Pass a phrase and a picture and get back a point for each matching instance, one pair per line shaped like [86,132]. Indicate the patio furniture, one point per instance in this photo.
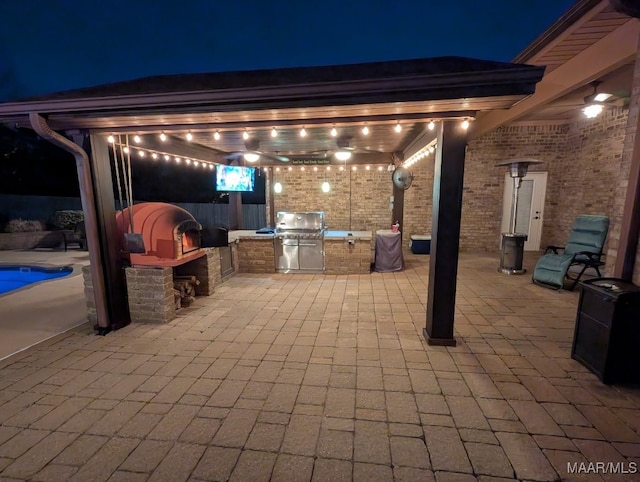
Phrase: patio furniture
[583,249]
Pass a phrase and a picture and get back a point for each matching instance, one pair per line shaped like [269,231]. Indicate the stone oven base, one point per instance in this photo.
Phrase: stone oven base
[150,289]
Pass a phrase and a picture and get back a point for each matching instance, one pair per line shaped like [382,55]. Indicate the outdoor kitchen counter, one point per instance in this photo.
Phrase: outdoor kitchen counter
[255,251]
[348,252]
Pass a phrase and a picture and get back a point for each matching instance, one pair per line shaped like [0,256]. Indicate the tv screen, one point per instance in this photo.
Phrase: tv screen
[235,178]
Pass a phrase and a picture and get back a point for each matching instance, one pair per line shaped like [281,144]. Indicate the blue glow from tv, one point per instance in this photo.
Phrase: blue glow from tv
[235,178]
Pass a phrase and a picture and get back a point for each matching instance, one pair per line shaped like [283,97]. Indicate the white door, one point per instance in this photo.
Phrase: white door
[531,195]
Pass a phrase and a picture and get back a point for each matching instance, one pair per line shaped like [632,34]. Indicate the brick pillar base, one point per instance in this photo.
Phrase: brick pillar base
[206,269]
[150,293]
[89,296]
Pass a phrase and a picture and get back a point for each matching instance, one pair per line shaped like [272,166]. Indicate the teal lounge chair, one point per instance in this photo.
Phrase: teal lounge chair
[584,248]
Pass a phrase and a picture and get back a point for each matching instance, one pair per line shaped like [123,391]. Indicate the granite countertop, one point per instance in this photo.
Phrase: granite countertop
[247,234]
[347,235]
[330,235]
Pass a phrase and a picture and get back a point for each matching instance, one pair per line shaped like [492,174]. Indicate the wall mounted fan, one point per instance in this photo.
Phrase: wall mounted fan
[252,153]
[402,178]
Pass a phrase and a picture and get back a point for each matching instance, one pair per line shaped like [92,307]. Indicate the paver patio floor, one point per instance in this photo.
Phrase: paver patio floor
[311,377]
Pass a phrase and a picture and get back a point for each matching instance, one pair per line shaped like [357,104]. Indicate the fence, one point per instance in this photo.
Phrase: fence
[254,216]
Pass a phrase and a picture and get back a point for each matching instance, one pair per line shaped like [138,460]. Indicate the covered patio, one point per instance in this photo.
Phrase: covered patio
[316,377]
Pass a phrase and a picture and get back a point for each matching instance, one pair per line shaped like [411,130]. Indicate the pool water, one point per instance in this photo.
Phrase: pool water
[15,277]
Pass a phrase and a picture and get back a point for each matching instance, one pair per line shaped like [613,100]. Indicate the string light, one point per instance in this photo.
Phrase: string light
[126,150]
[188,161]
[189,136]
[398,128]
[166,157]
[195,163]
[274,132]
[465,124]
[365,130]
[245,135]
[334,131]
[154,155]
[137,139]
[178,160]
[432,125]
[163,137]
[216,135]
[303,132]
[111,139]
[141,153]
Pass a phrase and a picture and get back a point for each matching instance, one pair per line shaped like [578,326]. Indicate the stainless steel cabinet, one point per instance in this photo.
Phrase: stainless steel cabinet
[286,254]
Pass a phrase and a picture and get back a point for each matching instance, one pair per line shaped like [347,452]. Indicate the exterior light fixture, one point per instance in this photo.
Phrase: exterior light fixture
[592,110]
[216,135]
[277,187]
[326,187]
[290,168]
[274,132]
[189,136]
[251,156]
[343,155]
[342,168]
[354,168]
[368,168]
[302,168]
[315,168]
[163,137]
[465,124]
[432,125]
[334,131]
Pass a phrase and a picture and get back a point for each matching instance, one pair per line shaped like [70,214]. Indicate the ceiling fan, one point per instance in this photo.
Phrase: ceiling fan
[344,150]
[252,153]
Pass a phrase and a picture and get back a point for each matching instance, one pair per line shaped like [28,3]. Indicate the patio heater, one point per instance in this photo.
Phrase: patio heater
[512,247]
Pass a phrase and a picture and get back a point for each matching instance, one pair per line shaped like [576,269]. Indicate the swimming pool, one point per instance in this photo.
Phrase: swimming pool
[15,277]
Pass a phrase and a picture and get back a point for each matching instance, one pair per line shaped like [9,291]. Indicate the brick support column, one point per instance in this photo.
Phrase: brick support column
[89,295]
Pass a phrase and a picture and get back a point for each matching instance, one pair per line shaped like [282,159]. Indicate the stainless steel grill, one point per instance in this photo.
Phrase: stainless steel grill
[299,242]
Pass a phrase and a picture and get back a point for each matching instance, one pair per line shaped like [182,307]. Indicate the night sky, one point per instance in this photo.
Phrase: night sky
[53,45]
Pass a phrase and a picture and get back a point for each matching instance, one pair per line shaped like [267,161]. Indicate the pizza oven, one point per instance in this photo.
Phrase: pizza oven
[167,235]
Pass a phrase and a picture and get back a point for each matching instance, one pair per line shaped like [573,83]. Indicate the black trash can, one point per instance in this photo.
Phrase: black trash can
[512,253]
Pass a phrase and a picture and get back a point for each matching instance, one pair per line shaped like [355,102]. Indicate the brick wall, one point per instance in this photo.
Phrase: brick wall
[358,200]
[418,201]
[256,256]
[344,258]
[150,292]
[206,269]
[89,295]
[583,161]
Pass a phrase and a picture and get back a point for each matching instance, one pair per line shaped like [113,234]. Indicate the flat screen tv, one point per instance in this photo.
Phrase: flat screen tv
[235,178]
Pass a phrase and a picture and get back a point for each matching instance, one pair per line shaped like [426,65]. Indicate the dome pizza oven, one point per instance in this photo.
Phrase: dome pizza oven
[171,235]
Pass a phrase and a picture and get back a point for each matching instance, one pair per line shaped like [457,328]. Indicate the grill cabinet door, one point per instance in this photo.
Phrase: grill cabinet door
[287,254]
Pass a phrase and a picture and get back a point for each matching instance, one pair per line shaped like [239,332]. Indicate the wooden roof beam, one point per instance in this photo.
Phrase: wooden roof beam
[611,52]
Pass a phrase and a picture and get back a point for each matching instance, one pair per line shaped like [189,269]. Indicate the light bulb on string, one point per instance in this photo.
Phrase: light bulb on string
[166,157]
[365,130]
[303,132]
[137,139]
[163,137]
[216,135]
[274,132]
[245,135]
[154,156]
[178,160]
[334,131]
[189,136]
[111,139]
[398,127]
[141,153]
[431,125]
[465,124]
